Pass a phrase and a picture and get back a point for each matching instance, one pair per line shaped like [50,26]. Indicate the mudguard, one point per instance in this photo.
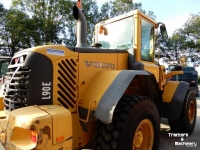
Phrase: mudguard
[104,92]
[173,99]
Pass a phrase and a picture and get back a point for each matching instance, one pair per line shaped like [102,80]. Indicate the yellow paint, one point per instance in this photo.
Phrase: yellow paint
[52,124]
[97,87]
[152,68]
[67,85]
[2,97]
[81,75]
[21,138]
[143,139]
[1,103]
[3,120]
[3,137]
[80,136]
[169,91]
[87,73]
[122,61]
[66,144]
[25,120]
[162,80]
[172,73]
[61,121]
[43,50]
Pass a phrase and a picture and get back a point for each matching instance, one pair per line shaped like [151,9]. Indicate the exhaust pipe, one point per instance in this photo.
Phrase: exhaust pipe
[81,27]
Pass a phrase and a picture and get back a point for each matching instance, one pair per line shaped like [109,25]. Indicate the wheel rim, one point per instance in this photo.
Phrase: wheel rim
[144,136]
[191,111]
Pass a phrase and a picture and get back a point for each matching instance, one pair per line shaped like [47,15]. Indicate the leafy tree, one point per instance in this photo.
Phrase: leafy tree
[192,27]
[48,17]
[105,11]
[184,41]
[119,7]
[169,49]
[1,9]
[54,19]
[38,22]
[14,33]
[2,12]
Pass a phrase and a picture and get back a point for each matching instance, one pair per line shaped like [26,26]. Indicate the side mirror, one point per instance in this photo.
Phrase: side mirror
[163,31]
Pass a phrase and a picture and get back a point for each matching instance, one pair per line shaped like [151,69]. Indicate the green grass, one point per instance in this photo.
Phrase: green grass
[198,79]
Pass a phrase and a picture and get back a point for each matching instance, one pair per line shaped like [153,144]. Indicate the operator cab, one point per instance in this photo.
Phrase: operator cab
[121,33]
[135,32]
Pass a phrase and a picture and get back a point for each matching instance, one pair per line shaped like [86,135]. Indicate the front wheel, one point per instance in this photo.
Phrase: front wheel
[135,126]
[186,122]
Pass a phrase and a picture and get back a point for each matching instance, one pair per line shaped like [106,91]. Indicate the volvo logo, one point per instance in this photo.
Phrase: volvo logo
[99,64]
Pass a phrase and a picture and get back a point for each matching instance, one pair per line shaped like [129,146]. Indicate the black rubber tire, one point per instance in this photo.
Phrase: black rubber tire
[183,124]
[129,112]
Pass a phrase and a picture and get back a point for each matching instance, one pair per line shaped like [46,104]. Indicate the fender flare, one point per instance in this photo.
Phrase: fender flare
[106,103]
[172,107]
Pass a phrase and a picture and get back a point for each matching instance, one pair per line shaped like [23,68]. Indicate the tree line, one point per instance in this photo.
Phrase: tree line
[29,23]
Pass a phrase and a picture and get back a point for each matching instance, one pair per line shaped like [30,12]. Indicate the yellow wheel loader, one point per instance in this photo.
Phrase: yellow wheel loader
[108,96]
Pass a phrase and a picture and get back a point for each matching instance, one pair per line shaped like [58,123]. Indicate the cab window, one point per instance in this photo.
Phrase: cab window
[147,41]
[119,34]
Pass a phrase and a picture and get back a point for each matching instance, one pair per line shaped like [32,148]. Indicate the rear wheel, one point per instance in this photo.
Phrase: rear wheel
[186,122]
[135,126]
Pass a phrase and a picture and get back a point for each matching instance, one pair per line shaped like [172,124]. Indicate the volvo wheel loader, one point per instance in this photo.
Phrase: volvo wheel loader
[108,96]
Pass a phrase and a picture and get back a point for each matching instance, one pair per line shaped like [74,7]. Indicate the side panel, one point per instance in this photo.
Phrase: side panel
[152,68]
[65,82]
[92,63]
[173,98]
[122,61]
[61,122]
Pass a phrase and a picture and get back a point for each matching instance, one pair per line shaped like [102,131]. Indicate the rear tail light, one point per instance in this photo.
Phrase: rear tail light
[33,136]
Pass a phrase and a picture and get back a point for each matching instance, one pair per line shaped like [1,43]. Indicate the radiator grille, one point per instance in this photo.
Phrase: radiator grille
[16,88]
[67,85]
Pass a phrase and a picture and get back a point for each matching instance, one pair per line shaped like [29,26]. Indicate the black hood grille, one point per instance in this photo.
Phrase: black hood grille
[16,88]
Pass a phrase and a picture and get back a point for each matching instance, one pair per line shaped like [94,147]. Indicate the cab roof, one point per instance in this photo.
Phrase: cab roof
[131,13]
